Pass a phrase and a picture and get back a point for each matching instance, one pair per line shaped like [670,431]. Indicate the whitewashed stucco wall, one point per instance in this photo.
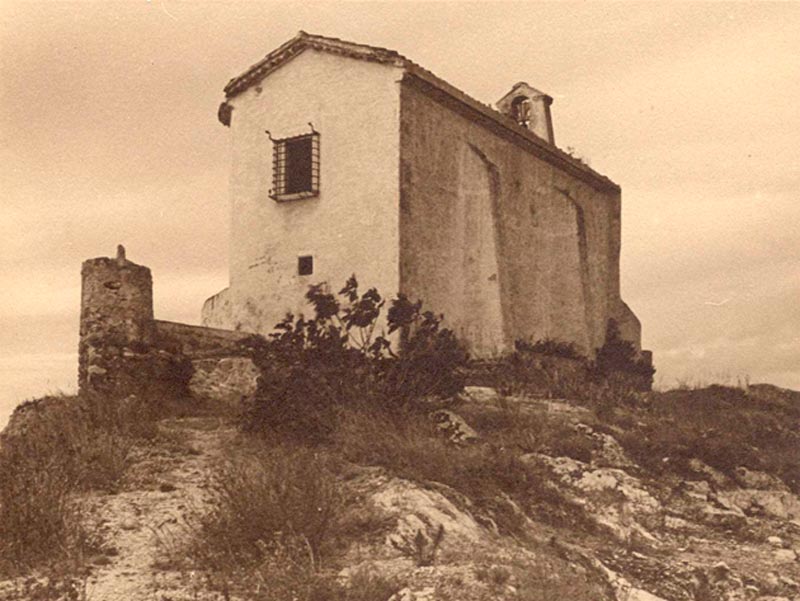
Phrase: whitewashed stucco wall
[352,227]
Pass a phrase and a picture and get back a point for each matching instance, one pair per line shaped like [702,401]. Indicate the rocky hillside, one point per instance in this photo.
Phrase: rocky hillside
[688,495]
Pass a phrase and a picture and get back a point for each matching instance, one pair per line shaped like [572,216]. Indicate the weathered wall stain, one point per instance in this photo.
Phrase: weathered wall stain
[556,237]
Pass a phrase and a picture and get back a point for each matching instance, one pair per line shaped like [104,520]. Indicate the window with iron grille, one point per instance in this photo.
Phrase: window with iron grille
[295,167]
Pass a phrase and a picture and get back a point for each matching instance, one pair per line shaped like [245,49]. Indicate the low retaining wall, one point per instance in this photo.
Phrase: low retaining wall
[198,341]
[228,380]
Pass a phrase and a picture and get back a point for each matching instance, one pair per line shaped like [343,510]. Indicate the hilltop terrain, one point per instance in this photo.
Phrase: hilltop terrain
[351,472]
[689,494]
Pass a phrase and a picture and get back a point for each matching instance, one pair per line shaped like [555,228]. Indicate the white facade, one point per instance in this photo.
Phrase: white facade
[351,227]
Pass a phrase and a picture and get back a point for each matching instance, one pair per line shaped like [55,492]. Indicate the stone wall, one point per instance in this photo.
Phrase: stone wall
[123,350]
[218,310]
[199,341]
[229,380]
[506,244]
[116,324]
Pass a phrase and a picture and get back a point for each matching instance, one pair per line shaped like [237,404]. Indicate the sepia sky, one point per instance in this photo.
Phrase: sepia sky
[109,135]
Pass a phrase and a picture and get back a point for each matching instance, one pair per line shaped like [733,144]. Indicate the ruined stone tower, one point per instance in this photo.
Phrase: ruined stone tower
[116,318]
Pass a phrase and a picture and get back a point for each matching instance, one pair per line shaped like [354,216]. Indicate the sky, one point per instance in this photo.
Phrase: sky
[108,134]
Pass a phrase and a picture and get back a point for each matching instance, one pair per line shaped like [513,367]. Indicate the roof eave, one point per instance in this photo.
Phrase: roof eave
[298,44]
[549,152]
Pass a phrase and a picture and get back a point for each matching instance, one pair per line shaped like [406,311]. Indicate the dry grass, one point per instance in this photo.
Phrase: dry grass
[57,447]
[267,494]
[541,582]
[722,426]
[280,521]
[489,474]
[512,426]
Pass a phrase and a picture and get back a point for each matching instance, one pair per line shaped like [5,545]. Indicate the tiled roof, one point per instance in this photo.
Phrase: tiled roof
[303,41]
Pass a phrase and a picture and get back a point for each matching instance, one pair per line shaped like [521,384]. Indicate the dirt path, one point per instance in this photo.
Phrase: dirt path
[168,483]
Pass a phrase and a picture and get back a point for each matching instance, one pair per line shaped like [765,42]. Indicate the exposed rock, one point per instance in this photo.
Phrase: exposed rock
[612,498]
[775,541]
[674,523]
[785,555]
[406,594]
[698,490]
[714,476]
[580,475]
[773,503]
[479,394]
[607,451]
[719,571]
[420,510]
[759,480]
[623,589]
[453,426]
[722,518]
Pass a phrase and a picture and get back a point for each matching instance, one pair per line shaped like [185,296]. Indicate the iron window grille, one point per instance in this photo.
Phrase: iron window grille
[295,167]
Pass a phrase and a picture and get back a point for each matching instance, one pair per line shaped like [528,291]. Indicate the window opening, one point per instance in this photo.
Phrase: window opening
[521,110]
[305,265]
[295,167]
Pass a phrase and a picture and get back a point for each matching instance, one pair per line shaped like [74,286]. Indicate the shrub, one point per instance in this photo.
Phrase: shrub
[618,355]
[528,372]
[431,360]
[310,367]
[722,426]
[422,549]
[549,346]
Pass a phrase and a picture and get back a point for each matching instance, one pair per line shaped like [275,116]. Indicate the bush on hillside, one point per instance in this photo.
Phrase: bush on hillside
[279,523]
[310,368]
[722,426]
[551,347]
[620,356]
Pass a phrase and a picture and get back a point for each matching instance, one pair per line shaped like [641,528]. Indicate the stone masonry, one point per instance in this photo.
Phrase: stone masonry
[116,319]
[123,350]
